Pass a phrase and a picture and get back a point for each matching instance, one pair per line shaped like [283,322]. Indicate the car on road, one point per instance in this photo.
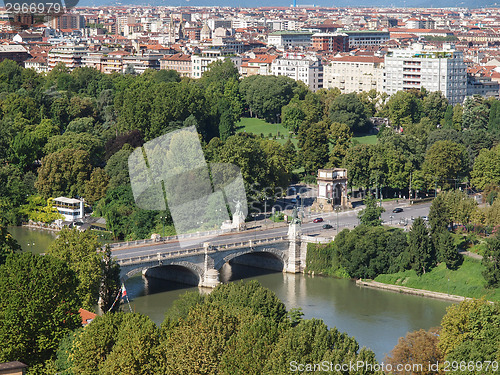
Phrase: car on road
[327,226]
[293,200]
[397,209]
[318,220]
[425,218]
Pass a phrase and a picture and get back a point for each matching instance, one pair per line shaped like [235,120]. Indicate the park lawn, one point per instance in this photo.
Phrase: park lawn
[366,139]
[467,281]
[258,126]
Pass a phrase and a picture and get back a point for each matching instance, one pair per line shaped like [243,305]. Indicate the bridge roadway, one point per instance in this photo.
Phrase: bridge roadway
[346,219]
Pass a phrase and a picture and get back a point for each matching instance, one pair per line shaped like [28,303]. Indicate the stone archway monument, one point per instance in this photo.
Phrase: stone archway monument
[332,188]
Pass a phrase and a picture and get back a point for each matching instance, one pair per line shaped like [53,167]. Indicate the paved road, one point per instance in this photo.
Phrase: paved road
[263,229]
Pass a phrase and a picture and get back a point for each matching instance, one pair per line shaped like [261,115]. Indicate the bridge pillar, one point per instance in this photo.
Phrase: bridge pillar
[294,263]
[210,277]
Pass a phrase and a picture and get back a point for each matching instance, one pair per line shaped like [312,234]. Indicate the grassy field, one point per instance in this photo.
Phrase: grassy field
[467,281]
[258,126]
[366,139]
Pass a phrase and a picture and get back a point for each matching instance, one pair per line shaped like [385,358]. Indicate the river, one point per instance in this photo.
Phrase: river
[375,318]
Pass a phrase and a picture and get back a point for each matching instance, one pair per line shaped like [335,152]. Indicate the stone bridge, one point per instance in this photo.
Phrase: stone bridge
[200,265]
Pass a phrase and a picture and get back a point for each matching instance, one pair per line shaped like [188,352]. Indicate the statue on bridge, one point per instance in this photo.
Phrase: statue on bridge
[237,208]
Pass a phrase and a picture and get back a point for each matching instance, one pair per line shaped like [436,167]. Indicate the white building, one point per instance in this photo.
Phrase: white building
[289,39]
[355,74]
[71,209]
[300,67]
[200,63]
[69,55]
[436,70]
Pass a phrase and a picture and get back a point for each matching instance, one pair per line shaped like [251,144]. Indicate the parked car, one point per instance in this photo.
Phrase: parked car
[318,220]
[397,209]
[425,218]
[327,226]
[293,200]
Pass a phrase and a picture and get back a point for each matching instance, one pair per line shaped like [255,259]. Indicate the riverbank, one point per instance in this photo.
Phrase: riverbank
[466,282]
[412,291]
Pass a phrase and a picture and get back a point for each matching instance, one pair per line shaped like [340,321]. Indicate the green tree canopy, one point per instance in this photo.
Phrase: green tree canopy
[444,162]
[348,109]
[420,248]
[63,173]
[92,265]
[38,307]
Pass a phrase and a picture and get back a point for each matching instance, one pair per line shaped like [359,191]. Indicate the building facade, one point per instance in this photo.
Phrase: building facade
[330,42]
[436,70]
[179,62]
[355,74]
[305,68]
[71,209]
[70,55]
[332,187]
[289,39]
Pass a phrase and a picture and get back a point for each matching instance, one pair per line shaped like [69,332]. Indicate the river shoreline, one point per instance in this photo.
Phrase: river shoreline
[412,291]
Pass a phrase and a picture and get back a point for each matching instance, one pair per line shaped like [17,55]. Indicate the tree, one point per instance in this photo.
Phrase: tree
[96,187]
[39,209]
[83,254]
[486,169]
[439,215]
[313,146]
[420,247]
[33,288]
[292,116]
[491,262]
[494,119]
[199,341]
[8,244]
[267,95]
[357,162]
[348,109]
[250,295]
[340,137]
[444,162]
[435,106]
[370,216]
[415,349]
[220,71]
[475,113]
[63,173]
[468,331]
[404,109]
[226,124]
[117,167]
[77,141]
[448,251]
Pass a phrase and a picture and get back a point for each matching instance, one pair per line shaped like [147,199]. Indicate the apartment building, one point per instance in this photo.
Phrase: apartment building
[437,70]
[200,63]
[300,67]
[70,55]
[179,62]
[330,42]
[363,38]
[139,63]
[260,64]
[355,74]
[68,21]
[289,39]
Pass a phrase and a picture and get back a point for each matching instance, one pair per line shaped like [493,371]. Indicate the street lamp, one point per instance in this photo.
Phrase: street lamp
[162,218]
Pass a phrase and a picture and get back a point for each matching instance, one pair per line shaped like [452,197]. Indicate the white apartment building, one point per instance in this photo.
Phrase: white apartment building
[200,63]
[289,39]
[300,67]
[436,70]
[355,74]
[69,55]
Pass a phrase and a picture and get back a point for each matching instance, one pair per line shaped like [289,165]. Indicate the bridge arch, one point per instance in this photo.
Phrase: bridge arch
[275,254]
[179,271]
